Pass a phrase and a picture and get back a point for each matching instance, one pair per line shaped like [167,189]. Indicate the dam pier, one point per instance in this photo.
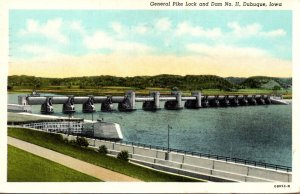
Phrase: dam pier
[152,102]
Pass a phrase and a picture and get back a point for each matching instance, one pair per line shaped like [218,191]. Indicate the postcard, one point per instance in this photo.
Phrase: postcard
[141,96]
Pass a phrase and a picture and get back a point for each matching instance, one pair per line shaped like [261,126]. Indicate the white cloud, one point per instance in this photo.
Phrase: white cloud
[236,31]
[98,40]
[163,24]
[51,30]
[101,40]
[118,28]
[185,28]
[254,29]
[141,29]
[32,26]
[225,50]
[77,26]
[274,33]
[243,31]
[38,50]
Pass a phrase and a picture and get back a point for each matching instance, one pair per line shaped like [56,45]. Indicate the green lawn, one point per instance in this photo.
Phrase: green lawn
[56,143]
[26,167]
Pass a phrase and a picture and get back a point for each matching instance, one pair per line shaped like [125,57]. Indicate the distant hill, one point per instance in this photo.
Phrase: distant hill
[236,80]
[266,82]
[284,82]
[188,82]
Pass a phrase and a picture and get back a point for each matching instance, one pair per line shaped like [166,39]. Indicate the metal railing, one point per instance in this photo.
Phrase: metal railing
[212,156]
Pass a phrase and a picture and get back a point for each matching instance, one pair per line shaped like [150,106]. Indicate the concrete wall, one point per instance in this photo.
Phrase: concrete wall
[143,158]
[145,152]
[201,162]
[168,163]
[253,179]
[290,177]
[230,176]
[109,145]
[231,167]
[181,171]
[161,154]
[197,169]
[192,165]
[176,157]
[120,147]
[271,175]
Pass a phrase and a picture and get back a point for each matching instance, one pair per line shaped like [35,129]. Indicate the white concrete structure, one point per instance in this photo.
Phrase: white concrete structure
[194,166]
[18,108]
[73,127]
[104,130]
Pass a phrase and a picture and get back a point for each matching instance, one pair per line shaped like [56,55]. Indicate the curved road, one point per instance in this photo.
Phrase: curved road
[81,166]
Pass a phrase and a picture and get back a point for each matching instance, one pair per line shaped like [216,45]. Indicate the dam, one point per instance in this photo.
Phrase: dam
[127,103]
[259,133]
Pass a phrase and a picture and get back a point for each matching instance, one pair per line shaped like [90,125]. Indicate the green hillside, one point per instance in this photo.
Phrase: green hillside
[166,81]
[188,82]
[236,80]
[266,82]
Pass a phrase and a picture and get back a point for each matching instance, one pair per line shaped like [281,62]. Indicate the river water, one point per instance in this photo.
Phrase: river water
[259,133]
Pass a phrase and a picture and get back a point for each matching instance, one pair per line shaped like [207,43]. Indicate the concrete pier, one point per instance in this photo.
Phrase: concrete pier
[88,106]
[234,101]
[194,104]
[47,106]
[214,102]
[69,107]
[107,106]
[205,102]
[177,104]
[244,101]
[224,101]
[154,104]
[128,104]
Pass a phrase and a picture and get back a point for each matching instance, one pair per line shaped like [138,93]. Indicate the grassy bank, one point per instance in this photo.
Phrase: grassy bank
[27,167]
[56,143]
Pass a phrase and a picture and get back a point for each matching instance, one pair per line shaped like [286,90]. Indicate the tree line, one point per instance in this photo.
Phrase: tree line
[188,82]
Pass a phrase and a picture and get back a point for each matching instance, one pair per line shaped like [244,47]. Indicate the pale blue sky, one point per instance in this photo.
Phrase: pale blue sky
[41,34]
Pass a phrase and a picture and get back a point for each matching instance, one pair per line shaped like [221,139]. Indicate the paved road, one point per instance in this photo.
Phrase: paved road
[81,166]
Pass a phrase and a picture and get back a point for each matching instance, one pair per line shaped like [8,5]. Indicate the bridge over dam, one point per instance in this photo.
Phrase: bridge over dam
[127,103]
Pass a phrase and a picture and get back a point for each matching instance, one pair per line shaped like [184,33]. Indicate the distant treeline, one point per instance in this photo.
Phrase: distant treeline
[188,82]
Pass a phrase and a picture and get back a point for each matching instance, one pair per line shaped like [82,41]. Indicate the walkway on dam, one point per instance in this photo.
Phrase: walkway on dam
[78,165]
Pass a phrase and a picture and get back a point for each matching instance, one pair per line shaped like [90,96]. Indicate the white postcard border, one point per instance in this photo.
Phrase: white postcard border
[5,187]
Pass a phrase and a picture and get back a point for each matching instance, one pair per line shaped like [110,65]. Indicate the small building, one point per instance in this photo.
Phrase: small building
[74,126]
[67,126]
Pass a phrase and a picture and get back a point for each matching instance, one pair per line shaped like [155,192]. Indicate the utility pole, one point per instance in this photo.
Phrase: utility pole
[168,152]
[69,124]
[93,124]
[169,127]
